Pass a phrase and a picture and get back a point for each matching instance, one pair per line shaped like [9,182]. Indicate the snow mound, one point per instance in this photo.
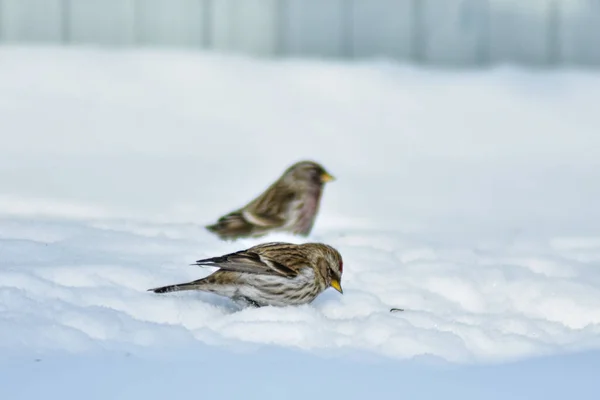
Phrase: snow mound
[83,288]
[469,199]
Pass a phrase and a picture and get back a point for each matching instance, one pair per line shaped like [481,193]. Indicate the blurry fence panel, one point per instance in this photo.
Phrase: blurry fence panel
[520,32]
[170,22]
[100,22]
[315,27]
[382,27]
[580,34]
[31,20]
[250,26]
[453,31]
[443,32]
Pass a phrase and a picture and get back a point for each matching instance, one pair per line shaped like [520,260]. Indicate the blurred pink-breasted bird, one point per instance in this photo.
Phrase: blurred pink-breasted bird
[289,205]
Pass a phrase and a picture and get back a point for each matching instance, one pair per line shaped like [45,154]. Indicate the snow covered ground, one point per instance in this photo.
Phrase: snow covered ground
[468,198]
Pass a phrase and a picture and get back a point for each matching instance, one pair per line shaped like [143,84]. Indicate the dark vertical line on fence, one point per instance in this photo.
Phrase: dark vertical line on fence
[1,20]
[347,28]
[65,18]
[484,45]
[417,31]
[553,26]
[207,18]
[135,23]
[281,27]
[233,28]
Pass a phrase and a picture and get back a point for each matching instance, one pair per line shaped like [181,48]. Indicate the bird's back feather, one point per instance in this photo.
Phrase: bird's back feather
[231,226]
[259,259]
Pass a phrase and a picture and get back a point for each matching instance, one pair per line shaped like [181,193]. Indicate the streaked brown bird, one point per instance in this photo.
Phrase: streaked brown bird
[270,274]
[289,205]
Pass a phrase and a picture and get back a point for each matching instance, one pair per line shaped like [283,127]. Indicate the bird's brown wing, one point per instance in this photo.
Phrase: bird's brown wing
[232,226]
[253,260]
[269,210]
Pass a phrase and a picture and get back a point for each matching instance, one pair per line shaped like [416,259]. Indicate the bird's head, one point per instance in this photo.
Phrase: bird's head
[330,264]
[308,172]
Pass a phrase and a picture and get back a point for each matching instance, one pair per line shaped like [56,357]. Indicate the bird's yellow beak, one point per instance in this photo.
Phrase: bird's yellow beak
[336,285]
[325,177]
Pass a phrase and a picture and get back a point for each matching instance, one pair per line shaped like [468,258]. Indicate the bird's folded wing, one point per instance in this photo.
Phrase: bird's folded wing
[262,220]
[249,262]
[269,209]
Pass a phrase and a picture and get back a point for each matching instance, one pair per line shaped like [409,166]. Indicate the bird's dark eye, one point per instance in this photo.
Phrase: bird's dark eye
[316,175]
[341,266]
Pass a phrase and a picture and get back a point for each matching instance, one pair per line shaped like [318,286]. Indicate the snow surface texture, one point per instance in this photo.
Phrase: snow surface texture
[467,198]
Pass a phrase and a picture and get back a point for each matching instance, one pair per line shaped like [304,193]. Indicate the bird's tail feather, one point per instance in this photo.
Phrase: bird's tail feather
[175,288]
